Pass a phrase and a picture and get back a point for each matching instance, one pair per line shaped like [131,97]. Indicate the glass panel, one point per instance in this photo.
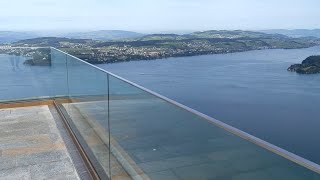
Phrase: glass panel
[87,87]
[58,82]
[25,73]
[156,139]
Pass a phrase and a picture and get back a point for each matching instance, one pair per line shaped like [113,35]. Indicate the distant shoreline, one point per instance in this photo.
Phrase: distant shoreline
[234,52]
[30,62]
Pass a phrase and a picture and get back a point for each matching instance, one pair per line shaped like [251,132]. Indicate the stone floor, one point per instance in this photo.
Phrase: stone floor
[32,147]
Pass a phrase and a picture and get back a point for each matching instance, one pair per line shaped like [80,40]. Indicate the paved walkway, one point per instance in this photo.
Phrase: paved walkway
[31,146]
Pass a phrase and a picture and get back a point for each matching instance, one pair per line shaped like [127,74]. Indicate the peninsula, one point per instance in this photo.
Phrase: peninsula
[310,65]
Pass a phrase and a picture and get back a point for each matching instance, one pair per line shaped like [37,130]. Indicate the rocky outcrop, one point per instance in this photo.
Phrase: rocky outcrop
[311,65]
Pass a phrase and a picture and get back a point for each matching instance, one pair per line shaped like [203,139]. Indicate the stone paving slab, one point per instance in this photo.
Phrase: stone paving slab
[31,146]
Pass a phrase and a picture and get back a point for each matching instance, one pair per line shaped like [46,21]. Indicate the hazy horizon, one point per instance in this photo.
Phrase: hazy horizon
[181,32]
[157,16]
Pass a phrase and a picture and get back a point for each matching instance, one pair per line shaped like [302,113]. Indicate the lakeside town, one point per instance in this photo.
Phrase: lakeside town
[158,46]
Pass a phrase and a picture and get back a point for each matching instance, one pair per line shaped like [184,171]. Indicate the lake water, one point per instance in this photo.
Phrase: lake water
[19,81]
[249,90]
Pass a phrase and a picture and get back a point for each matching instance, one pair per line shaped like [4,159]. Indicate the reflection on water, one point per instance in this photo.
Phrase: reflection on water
[15,61]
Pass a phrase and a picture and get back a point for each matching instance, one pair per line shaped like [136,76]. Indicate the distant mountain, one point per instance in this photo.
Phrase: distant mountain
[52,41]
[11,36]
[212,34]
[295,32]
[113,35]
[262,40]
[104,35]
[233,34]
[162,37]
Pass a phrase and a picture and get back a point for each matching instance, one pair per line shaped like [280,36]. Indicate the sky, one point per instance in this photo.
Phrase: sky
[158,15]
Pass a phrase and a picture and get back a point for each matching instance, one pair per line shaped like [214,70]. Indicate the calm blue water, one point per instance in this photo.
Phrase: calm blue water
[250,90]
[18,81]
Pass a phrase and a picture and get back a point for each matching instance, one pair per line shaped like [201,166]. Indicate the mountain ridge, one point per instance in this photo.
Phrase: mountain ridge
[295,32]
[14,36]
[104,35]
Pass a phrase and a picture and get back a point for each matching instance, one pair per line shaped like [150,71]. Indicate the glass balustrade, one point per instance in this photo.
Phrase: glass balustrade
[129,132]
